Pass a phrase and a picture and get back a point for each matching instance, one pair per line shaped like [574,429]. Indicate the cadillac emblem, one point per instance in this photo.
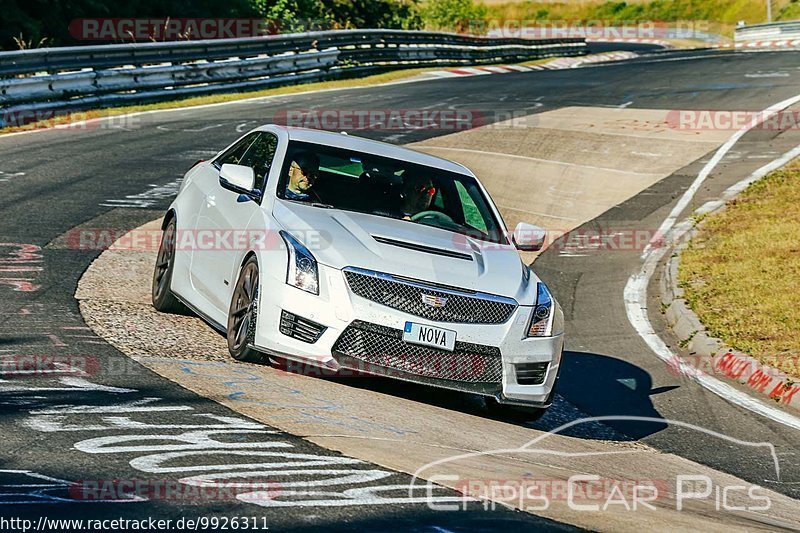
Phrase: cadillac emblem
[433,301]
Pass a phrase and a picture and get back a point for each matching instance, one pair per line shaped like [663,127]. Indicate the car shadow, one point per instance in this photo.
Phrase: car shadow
[590,385]
[602,385]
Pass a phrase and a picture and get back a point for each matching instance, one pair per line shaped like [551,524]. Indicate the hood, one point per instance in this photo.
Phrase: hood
[343,238]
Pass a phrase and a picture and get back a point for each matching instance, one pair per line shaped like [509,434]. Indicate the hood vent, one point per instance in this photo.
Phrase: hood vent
[422,248]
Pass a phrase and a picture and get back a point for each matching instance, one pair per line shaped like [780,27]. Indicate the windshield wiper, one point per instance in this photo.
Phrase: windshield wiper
[320,204]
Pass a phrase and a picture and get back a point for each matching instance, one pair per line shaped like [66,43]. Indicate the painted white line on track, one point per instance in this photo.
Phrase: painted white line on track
[529,158]
[687,197]
[736,188]
[635,293]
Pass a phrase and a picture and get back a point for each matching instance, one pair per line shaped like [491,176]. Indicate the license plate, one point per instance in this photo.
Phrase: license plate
[444,339]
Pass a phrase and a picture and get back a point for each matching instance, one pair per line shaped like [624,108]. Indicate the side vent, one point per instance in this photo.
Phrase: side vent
[531,373]
[300,328]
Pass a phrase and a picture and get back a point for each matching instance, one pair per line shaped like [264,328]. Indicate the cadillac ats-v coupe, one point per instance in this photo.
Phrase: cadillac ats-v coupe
[351,255]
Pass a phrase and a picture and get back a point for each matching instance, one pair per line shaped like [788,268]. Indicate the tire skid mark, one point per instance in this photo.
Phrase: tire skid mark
[16,259]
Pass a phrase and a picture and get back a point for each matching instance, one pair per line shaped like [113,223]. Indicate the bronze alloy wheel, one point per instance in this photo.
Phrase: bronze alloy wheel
[243,315]
[163,299]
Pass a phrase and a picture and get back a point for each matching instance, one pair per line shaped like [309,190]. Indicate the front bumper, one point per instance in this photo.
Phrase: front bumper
[365,337]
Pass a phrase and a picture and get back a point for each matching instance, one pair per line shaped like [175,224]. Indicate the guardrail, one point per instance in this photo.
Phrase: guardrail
[773,31]
[50,80]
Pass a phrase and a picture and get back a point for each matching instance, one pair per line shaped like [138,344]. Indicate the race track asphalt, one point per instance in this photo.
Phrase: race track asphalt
[124,175]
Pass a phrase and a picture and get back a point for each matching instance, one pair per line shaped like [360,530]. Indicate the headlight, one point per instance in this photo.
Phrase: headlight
[302,272]
[540,318]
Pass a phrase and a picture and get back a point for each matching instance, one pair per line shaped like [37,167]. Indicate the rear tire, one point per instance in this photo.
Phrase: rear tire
[163,298]
[243,315]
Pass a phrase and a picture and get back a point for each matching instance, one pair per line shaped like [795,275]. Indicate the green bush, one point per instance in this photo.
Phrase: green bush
[49,19]
[303,15]
[790,12]
[34,20]
[456,15]
[396,14]
[296,15]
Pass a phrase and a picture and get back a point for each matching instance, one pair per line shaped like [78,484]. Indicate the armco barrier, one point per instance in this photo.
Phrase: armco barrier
[33,82]
[773,31]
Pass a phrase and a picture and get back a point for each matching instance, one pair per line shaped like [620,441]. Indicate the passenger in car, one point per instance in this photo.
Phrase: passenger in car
[303,172]
[417,195]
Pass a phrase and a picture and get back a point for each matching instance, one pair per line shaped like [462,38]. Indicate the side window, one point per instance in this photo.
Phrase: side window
[236,152]
[438,200]
[472,215]
[259,157]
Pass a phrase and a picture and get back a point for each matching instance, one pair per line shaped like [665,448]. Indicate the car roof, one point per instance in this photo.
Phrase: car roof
[369,146]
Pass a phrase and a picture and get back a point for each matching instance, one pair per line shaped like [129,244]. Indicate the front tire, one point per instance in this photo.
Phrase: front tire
[163,298]
[243,315]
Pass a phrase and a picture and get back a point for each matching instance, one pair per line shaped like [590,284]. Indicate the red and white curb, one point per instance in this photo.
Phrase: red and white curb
[758,377]
[710,363]
[573,62]
[555,64]
[665,44]
[480,71]
[779,44]
[708,355]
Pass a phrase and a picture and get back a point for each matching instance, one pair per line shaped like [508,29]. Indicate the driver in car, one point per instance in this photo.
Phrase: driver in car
[417,196]
[303,173]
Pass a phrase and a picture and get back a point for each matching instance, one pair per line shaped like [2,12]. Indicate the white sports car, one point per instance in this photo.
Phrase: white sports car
[351,255]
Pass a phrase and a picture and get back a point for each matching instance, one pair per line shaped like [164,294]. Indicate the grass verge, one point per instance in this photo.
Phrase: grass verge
[741,272]
[715,16]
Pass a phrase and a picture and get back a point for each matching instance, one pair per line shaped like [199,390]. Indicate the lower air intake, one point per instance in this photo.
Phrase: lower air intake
[531,373]
[300,328]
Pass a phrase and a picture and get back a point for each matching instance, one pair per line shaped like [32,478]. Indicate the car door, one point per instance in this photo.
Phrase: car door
[223,231]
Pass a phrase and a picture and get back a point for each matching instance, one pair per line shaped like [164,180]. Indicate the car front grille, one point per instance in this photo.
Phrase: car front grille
[376,349]
[430,301]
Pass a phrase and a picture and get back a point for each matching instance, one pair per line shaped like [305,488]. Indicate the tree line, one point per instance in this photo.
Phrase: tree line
[45,23]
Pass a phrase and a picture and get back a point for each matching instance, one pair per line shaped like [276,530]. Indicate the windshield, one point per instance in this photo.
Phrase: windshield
[329,177]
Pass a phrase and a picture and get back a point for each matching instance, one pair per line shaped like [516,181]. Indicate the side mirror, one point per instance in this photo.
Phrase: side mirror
[237,178]
[529,238]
